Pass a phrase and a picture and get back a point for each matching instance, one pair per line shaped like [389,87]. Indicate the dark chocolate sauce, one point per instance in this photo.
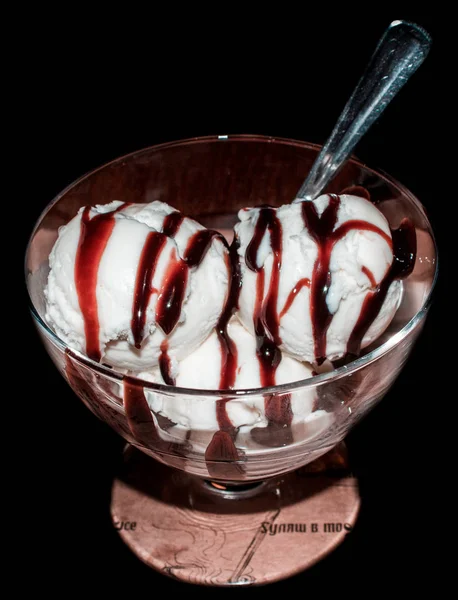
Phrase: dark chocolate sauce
[278,410]
[265,317]
[223,458]
[199,245]
[165,364]
[94,236]
[404,250]
[172,223]
[165,423]
[305,282]
[151,252]
[266,321]
[171,298]
[228,348]
[368,273]
[322,230]
[356,224]
[279,417]
[172,294]
[141,421]
[138,413]
[222,447]
[173,290]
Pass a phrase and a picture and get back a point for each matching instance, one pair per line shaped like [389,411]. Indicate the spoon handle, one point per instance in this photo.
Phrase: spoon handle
[399,53]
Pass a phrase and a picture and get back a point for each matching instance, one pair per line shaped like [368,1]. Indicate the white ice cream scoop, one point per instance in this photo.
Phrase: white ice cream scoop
[317,280]
[129,284]
[252,417]
[309,268]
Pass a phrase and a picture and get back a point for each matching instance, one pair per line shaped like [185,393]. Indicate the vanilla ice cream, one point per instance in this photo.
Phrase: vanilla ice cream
[312,273]
[132,283]
[154,294]
[250,416]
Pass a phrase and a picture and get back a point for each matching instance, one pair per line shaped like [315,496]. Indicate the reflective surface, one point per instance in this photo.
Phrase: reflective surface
[401,50]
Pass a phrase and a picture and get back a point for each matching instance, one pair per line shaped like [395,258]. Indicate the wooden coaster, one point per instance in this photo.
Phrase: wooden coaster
[189,530]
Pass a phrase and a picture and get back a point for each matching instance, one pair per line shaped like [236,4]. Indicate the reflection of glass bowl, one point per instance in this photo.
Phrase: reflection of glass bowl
[210,179]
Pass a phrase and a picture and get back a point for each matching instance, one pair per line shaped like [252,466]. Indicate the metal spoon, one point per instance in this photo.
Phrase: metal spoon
[400,51]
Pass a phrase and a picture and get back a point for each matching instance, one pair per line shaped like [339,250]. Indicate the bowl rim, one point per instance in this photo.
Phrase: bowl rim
[311,382]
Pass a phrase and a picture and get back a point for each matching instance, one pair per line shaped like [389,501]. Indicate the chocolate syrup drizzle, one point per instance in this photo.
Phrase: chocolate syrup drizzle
[404,253]
[228,347]
[95,233]
[139,414]
[172,294]
[170,300]
[165,363]
[172,224]
[222,453]
[141,421]
[265,318]
[323,230]
[94,236]
[152,249]
[266,321]
[170,228]
[173,289]
[368,273]
[305,282]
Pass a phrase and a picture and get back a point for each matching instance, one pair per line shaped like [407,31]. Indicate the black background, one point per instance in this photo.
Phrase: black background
[94,93]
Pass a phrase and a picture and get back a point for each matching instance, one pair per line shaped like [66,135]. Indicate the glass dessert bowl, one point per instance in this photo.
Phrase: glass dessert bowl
[243,458]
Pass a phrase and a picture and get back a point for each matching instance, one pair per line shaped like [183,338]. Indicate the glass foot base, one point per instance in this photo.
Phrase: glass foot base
[194,531]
